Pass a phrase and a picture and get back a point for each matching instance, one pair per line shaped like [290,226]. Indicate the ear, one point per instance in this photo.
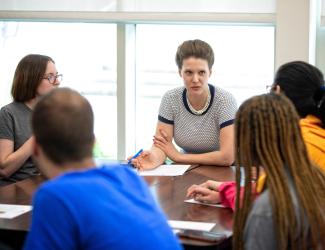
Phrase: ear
[180,72]
[210,70]
[277,89]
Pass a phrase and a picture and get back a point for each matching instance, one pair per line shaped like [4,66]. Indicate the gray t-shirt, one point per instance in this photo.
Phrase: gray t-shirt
[197,133]
[15,125]
[260,229]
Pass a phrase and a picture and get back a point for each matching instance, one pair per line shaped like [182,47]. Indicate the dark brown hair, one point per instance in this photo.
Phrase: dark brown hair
[267,134]
[194,48]
[28,76]
[63,125]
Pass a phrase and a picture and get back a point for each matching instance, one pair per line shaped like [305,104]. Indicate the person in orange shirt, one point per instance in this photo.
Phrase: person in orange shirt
[314,137]
[303,84]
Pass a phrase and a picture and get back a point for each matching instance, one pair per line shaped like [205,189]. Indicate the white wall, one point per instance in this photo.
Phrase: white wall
[295,31]
[229,6]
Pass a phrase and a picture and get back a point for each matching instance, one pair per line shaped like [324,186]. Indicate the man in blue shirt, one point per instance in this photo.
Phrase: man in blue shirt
[84,207]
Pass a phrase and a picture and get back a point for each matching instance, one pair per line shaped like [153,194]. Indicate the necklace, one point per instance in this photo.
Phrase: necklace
[201,111]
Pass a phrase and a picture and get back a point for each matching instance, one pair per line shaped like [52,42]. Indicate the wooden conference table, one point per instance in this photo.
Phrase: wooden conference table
[168,191]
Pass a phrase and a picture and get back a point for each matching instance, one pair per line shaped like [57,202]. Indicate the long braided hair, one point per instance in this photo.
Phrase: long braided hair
[268,135]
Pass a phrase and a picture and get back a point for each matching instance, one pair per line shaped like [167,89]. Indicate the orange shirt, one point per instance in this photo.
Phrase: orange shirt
[314,137]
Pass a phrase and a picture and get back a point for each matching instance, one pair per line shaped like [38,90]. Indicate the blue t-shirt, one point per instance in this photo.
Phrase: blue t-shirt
[102,208]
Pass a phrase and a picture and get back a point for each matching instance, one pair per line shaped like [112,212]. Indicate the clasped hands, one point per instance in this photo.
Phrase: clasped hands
[165,143]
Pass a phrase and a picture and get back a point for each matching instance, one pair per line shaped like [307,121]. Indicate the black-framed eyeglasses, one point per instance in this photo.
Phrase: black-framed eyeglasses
[53,78]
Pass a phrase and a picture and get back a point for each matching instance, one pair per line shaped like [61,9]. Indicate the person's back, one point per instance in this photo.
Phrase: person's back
[260,229]
[84,207]
[104,208]
[289,213]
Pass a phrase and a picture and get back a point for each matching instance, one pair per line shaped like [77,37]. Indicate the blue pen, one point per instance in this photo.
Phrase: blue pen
[135,156]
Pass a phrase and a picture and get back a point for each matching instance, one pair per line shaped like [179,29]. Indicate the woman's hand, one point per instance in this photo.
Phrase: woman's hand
[212,185]
[165,143]
[203,194]
[206,192]
[144,161]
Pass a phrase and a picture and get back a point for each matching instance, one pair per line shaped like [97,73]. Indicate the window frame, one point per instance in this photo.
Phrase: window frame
[126,27]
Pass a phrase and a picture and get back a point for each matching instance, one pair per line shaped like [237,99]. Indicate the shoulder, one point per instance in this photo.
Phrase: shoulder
[262,205]
[312,130]
[224,105]
[105,179]
[15,109]
[170,104]
[46,196]
[259,229]
[174,92]
[310,122]
[260,214]
[14,106]
[118,174]
[8,108]
[117,170]
[223,95]
[8,116]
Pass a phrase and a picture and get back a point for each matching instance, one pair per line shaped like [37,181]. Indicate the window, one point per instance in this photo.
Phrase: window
[85,53]
[86,56]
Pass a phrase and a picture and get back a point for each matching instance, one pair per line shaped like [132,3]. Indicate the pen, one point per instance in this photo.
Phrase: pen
[135,156]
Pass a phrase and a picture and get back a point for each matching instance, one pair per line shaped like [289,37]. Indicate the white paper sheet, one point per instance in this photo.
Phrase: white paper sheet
[11,211]
[176,231]
[166,170]
[194,225]
[202,203]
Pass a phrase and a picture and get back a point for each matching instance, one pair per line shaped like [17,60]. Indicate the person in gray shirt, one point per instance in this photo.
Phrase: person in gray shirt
[34,77]
[290,212]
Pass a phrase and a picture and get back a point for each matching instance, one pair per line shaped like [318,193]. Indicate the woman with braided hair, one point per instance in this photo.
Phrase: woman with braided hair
[290,212]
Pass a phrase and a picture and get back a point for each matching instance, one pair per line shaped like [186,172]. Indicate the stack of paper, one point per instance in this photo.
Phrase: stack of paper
[12,211]
[194,225]
[202,203]
[166,170]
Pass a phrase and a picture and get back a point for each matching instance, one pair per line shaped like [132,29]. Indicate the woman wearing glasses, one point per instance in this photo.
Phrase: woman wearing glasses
[34,77]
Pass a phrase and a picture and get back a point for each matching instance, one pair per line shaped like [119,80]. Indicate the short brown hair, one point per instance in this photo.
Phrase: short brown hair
[28,75]
[63,125]
[194,48]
